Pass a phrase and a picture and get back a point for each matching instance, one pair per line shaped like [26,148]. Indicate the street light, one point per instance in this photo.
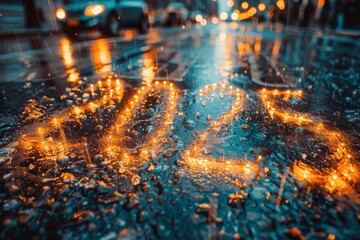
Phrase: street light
[198,18]
[234,16]
[60,13]
[261,7]
[245,5]
[214,20]
[230,3]
[203,22]
[280,4]
[223,16]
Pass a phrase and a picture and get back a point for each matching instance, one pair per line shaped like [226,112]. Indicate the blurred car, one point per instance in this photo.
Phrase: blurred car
[177,14]
[106,15]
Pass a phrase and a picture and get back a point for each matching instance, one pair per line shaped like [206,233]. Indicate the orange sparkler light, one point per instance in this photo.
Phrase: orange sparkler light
[193,155]
[345,172]
[50,138]
[154,139]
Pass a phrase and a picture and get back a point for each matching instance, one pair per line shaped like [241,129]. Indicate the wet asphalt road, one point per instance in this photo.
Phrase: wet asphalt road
[224,131]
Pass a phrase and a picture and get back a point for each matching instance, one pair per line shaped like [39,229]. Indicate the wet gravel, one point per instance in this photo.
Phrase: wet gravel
[64,182]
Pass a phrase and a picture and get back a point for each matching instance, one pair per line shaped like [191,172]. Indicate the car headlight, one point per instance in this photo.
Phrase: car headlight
[94,10]
[60,13]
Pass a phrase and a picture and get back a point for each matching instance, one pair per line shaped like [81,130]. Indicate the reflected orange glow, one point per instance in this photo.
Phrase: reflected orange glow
[243,48]
[100,56]
[66,52]
[148,71]
[154,141]
[198,162]
[344,173]
[233,25]
[225,50]
[257,45]
[68,60]
[128,35]
[271,14]
[276,47]
[321,3]
[50,140]
[331,182]
[248,14]
[73,75]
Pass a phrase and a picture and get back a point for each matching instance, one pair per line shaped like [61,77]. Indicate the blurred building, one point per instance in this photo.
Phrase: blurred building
[17,14]
[209,7]
[12,14]
[157,4]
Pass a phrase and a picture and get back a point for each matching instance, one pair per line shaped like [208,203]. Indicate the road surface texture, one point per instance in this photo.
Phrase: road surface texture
[228,131]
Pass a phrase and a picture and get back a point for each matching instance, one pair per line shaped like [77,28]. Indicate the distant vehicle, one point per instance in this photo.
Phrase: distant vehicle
[177,14]
[106,15]
[159,17]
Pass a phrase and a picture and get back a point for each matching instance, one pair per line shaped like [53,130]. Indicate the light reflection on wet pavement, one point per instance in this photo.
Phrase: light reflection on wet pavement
[229,131]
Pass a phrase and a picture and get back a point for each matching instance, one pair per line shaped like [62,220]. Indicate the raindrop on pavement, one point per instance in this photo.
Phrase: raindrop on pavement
[135,180]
